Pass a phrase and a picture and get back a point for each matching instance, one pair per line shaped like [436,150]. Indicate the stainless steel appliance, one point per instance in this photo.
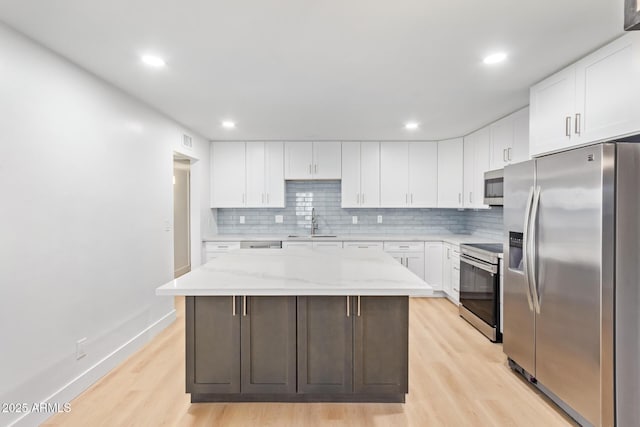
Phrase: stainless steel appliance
[480,287]
[276,244]
[494,187]
[572,274]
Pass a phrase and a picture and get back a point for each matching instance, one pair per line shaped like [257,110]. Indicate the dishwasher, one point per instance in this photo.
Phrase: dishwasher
[261,245]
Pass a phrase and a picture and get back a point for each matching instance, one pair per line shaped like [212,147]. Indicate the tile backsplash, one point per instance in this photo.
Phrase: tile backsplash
[324,197]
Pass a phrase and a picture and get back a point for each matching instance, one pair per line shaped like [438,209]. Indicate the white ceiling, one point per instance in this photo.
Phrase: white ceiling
[323,69]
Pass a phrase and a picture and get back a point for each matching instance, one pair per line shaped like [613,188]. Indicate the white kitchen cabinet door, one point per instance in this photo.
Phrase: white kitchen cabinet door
[274,174]
[501,142]
[394,174]
[423,174]
[468,172]
[363,245]
[450,164]
[447,254]
[415,263]
[228,178]
[398,256]
[481,155]
[255,168]
[520,149]
[298,160]
[350,175]
[369,174]
[552,104]
[326,160]
[607,91]
[433,264]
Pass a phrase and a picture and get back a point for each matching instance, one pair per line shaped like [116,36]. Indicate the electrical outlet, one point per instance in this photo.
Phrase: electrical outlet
[379,219]
[80,348]
[241,219]
[354,219]
[279,219]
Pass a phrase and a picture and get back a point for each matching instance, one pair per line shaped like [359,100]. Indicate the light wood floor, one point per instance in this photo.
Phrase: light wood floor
[456,378]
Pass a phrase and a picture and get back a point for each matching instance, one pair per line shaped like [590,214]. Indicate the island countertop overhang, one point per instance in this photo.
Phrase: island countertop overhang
[299,271]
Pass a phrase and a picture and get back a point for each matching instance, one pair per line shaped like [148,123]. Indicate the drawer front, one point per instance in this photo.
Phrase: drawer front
[404,246]
[297,244]
[221,246]
[363,245]
[320,245]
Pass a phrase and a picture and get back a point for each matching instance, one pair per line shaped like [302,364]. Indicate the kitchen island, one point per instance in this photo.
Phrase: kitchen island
[297,325]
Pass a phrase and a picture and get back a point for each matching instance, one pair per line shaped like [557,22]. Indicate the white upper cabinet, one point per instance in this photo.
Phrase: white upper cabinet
[394,175]
[408,174]
[552,106]
[589,101]
[313,160]
[520,149]
[274,187]
[247,174]
[228,178]
[477,149]
[450,161]
[423,174]
[509,138]
[360,174]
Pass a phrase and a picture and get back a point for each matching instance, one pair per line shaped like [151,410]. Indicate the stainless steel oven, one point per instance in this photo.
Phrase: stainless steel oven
[480,288]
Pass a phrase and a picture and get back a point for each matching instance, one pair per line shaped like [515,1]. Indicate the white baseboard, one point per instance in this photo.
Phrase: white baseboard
[83,381]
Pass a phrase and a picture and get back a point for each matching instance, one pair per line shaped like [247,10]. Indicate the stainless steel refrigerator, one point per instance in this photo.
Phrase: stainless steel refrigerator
[572,279]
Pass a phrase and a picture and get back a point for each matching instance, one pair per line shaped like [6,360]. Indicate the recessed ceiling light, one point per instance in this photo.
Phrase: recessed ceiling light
[227,124]
[495,58]
[411,126]
[153,61]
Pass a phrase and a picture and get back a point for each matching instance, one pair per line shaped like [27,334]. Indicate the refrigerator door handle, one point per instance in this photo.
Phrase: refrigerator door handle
[525,248]
[533,243]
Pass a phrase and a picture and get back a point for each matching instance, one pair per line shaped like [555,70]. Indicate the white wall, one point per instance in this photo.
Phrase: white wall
[85,223]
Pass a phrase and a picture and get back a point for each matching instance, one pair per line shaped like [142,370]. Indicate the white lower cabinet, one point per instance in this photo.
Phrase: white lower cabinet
[409,254]
[213,250]
[433,265]
[451,271]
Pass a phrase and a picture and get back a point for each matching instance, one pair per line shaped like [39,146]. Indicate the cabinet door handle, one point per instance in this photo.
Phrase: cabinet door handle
[233,305]
[459,198]
[315,168]
[577,129]
[509,154]
[243,198]
[348,313]
[411,198]
[504,154]
[263,198]
[406,198]
[363,198]
[267,198]
[244,305]
[470,197]
[567,126]
[358,305]
[309,168]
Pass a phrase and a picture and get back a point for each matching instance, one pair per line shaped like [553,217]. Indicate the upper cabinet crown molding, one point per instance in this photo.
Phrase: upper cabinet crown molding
[589,101]
[306,160]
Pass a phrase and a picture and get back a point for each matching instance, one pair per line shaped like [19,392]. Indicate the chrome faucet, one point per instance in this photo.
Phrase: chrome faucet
[314,221]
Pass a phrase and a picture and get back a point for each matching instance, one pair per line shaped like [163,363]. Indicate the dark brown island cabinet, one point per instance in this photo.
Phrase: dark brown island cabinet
[297,348]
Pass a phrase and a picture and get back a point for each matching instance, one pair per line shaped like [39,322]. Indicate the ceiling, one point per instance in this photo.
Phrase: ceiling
[323,69]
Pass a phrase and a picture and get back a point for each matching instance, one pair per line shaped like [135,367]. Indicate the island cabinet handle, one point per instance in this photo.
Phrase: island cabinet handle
[244,305]
[233,305]
[358,305]
[348,314]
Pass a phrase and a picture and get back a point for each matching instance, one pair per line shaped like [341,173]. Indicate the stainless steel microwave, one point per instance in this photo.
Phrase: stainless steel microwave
[494,187]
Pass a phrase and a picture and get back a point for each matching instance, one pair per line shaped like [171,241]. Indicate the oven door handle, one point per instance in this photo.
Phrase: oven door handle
[490,268]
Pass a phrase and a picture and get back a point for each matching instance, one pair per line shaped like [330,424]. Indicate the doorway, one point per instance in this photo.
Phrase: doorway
[181,215]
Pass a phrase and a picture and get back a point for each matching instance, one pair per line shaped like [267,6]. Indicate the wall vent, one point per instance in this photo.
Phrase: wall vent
[187,142]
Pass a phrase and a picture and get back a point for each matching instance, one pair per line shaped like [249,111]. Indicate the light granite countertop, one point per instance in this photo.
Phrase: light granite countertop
[299,271]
